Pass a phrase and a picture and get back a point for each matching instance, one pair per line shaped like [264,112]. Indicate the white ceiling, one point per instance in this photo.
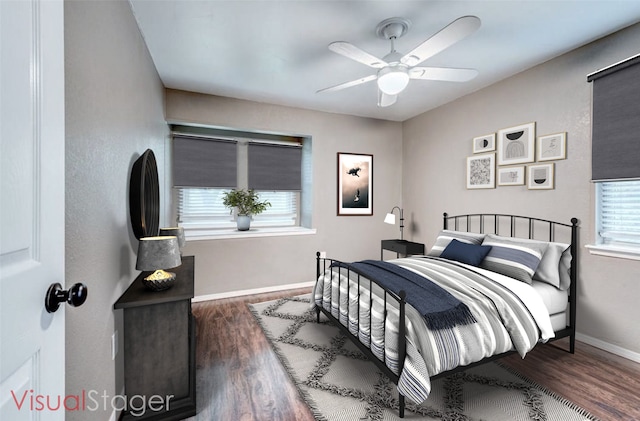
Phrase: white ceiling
[275,51]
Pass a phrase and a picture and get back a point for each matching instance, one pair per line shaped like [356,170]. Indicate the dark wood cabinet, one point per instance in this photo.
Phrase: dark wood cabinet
[401,247]
[159,347]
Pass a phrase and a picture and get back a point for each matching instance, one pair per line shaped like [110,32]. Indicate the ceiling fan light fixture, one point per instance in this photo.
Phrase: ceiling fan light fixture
[393,79]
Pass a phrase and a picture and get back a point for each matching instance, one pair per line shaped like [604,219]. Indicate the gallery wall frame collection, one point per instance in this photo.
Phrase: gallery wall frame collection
[515,145]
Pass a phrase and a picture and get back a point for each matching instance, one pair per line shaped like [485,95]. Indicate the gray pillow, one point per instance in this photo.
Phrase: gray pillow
[565,269]
[445,237]
[513,257]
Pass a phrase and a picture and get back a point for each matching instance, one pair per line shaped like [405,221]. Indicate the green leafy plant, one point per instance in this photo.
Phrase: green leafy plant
[247,202]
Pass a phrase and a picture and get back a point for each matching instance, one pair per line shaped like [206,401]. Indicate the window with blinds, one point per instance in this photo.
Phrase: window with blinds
[619,213]
[614,152]
[205,167]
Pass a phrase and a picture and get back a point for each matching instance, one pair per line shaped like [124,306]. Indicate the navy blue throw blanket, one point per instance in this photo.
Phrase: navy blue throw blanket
[440,309]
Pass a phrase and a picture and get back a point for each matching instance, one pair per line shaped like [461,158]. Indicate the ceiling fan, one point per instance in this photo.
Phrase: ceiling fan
[395,70]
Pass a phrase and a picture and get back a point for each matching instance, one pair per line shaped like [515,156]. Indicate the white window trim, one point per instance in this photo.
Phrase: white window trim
[613,251]
[195,234]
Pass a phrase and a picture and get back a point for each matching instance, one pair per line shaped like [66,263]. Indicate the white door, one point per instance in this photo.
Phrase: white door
[31,209]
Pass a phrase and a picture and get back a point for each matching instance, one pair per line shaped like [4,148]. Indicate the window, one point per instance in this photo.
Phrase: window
[614,162]
[202,208]
[208,164]
[618,213]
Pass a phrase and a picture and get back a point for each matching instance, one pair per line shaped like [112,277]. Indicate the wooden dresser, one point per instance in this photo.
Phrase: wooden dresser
[159,347]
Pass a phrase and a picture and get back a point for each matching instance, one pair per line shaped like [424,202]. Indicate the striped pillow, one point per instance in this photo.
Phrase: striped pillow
[555,264]
[445,237]
[513,258]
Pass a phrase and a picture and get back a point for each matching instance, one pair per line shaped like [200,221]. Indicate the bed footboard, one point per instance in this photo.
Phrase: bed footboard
[322,265]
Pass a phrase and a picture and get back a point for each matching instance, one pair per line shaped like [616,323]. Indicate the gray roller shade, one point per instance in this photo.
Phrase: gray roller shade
[199,162]
[274,167]
[615,147]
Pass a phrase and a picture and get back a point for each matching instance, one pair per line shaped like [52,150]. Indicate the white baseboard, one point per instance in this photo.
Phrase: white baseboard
[233,294]
[606,346]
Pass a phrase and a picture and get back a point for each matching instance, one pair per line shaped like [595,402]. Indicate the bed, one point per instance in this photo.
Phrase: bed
[491,285]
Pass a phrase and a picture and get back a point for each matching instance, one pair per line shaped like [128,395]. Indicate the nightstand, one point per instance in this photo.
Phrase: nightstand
[403,247]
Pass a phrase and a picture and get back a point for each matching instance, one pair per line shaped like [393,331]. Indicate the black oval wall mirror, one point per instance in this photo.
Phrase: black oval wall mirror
[144,196]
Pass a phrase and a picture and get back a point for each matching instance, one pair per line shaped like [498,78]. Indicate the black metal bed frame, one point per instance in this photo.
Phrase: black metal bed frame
[322,264]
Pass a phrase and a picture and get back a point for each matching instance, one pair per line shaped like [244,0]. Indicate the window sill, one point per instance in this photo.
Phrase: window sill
[224,234]
[614,251]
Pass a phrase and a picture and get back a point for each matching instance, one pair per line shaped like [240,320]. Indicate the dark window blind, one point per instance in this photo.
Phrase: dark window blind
[199,162]
[275,167]
[615,147]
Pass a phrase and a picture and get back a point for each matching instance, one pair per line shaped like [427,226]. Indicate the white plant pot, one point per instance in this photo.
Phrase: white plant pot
[243,222]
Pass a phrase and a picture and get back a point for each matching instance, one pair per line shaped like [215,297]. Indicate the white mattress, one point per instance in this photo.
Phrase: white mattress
[559,321]
[556,301]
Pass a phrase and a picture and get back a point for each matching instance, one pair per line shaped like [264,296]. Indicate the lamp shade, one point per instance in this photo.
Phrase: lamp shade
[174,231]
[393,79]
[162,252]
[390,219]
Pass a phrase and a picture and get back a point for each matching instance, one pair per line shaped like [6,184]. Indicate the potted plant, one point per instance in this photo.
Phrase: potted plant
[246,203]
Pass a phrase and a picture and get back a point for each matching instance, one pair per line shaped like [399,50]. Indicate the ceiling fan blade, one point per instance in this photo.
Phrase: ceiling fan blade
[348,84]
[385,100]
[443,73]
[354,53]
[446,37]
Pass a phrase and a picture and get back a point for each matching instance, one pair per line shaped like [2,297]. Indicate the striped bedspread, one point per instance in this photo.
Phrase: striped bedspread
[509,316]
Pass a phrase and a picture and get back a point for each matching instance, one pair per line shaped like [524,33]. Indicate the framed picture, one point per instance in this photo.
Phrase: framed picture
[516,145]
[552,147]
[511,176]
[486,143]
[540,177]
[481,171]
[355,184]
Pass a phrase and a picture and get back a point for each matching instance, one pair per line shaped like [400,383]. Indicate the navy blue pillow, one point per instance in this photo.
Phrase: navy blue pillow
[471,254]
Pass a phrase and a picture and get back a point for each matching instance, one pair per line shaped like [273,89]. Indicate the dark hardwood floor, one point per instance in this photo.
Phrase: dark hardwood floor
[239,377]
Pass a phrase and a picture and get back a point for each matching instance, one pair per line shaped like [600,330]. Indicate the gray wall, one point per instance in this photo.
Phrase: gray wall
[248,263]
[557,97]
[114,112]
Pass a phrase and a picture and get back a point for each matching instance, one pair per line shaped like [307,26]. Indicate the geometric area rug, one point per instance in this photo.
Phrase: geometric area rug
[339,384]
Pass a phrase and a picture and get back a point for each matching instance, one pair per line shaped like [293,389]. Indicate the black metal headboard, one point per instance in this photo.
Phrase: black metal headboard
[497,223]
[496,220]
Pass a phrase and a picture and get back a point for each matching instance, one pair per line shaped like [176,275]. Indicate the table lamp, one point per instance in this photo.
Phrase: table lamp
[391,219]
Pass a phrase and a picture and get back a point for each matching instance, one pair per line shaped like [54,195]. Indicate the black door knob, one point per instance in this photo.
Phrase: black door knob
[74,296]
